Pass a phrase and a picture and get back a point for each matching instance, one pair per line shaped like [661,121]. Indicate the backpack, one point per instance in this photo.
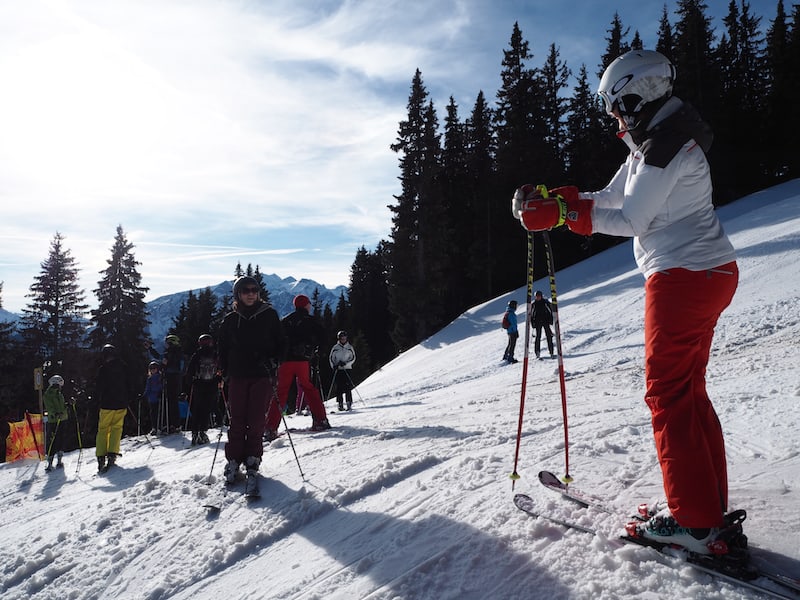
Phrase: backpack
[506,324]
[206,368]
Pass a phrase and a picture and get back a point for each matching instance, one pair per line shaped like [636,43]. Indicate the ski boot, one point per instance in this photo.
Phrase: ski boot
[251,483]
[231,469]
[321,425]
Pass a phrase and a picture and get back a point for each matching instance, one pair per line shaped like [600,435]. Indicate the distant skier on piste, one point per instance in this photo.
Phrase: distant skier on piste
[250,345]
[542,318]
[341,358]
[662,197]
[55,421]
[509,323]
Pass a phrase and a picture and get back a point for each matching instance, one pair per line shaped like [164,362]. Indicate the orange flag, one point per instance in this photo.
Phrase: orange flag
[21,442]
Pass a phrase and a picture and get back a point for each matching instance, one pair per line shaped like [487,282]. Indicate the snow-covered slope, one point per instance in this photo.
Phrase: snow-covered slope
[408,497]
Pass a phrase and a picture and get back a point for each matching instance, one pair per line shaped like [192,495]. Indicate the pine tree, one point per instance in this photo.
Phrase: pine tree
[697,80]
[616,44]
[555,76]
[416,220]
[196,316]
[666,43]
[369,301]
[11,376]
[587,130]
[121,315]
[481,183]
[739,163]
[523,156]
[781,120]
[53,322]
[457,218]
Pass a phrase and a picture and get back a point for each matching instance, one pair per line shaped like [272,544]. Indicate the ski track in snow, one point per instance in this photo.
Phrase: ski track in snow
[408,497]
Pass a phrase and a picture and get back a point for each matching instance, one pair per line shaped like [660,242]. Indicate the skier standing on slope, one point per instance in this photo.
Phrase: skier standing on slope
[661,196]
[303,334]
[341,358]
[542,318]
[510,325]
[250,344]
[113,395]
[55,423]
[201,372]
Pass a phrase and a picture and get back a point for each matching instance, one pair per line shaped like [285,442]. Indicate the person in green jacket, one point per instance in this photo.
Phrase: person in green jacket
[56,409]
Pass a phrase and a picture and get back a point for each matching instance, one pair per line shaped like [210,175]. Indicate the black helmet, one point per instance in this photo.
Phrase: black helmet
[342,333]
[205,340]
[109,350]
[154,365]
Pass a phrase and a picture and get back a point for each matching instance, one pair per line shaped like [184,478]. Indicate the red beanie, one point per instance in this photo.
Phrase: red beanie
[301,301]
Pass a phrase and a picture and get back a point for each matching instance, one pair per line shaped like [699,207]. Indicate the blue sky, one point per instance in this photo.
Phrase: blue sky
[225,131]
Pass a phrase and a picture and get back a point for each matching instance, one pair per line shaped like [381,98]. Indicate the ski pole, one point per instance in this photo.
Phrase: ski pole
[80,443]
[285,425]
[219,436]
[139,418]
[551,271]
[53,439]
[188,414]
[330,389]
[133,416]
[355,389]
[514,475]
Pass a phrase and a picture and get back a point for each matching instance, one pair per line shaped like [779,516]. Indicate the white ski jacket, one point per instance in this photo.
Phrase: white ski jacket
[342,353]
[661,195]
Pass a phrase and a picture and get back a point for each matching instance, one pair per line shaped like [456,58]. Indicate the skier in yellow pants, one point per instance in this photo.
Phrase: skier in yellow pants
[113,393]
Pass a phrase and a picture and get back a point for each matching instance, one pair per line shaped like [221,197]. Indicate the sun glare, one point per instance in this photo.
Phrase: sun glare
[79,113]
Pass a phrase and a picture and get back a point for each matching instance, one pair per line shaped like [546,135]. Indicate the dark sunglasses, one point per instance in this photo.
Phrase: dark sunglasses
[250,290]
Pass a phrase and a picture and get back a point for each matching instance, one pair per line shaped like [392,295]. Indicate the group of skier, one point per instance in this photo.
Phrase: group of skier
[661,196]
[257,360]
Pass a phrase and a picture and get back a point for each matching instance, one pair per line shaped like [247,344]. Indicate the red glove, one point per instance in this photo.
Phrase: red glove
[537,211]
[578,215]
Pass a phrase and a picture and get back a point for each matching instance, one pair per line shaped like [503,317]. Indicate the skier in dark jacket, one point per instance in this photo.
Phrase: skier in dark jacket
[153,392]
[303,334]
[113,393]
[542,318]
[250,345]
[202,375]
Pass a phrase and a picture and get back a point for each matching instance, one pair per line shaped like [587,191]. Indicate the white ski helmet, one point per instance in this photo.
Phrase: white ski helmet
[56,380]
[634,79]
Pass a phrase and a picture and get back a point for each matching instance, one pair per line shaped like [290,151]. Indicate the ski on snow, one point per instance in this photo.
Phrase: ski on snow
[251,493]
[749,575]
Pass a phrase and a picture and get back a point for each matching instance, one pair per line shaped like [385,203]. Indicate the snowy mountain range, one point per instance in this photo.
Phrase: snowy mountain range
[408,497]
[282,291]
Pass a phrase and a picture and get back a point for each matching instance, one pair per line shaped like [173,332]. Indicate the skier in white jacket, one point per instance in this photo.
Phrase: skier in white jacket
[341,358]
[661,196]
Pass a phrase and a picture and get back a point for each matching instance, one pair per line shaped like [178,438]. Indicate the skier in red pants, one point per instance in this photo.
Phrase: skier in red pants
[303,334]
[661,196]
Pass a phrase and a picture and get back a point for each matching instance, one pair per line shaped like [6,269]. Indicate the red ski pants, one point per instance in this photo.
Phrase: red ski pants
[681,310]
[287,373]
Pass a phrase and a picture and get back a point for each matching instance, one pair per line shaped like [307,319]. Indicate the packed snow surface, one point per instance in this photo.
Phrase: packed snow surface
[409,496]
